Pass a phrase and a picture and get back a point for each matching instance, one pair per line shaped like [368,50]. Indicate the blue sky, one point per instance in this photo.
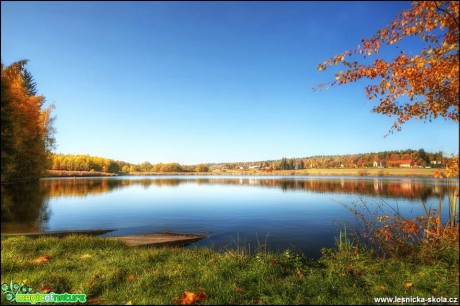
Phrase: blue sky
[194,82]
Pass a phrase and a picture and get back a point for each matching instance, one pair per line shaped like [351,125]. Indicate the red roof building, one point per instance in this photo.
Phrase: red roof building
[406,163]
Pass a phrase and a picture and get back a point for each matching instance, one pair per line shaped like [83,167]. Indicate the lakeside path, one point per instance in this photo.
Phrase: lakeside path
[382,172]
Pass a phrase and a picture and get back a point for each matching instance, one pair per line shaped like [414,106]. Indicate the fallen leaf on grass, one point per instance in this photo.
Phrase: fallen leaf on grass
[190,298]
[131,278]
[41,260]
[408,285]
[47,288]
[94,300]
[273,261]
[238,289]
[86,256]
[299,273]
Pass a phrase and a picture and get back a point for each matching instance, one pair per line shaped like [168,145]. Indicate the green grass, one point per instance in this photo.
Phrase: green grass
[102,268]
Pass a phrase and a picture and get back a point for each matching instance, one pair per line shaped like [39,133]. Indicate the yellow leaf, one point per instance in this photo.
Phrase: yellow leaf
[41,260]
[408,285]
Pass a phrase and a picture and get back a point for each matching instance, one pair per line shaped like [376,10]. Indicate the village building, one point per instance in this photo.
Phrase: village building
[377,164]
[406,163]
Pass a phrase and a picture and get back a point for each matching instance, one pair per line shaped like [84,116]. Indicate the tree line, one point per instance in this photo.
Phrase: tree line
[69,162]
[420,157]
[26,126]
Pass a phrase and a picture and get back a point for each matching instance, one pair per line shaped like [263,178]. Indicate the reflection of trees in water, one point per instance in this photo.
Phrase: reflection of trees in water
[399,188]
[85,186]
[392,189]
[24,207]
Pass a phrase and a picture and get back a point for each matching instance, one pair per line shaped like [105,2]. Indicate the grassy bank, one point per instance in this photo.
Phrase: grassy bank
[402,172]
[111,273]
[61,173]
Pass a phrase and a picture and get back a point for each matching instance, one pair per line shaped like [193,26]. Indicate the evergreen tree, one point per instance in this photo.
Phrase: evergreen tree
[284,164]
[29,84]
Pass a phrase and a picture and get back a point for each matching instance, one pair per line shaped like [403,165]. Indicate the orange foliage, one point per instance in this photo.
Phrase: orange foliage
[299,273]
[47,288]
[452,168]
[41,260]
[190,298]
[395,235]
[26,127]
[429,79]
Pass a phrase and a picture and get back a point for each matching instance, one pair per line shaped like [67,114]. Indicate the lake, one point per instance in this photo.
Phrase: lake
[303,213]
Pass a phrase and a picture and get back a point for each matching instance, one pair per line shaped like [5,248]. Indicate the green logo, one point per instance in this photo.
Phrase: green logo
[23,294]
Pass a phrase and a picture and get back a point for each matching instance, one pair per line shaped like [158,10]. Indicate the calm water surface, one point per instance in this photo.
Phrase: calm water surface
[282,212]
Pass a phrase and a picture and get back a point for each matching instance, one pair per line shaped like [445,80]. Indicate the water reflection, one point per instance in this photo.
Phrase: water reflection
[291,211]
[24,207]
[418,189]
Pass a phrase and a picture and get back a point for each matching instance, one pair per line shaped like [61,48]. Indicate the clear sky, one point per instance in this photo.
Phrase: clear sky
[194,82]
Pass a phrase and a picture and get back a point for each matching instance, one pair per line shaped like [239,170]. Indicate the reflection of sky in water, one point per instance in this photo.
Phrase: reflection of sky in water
[229,214]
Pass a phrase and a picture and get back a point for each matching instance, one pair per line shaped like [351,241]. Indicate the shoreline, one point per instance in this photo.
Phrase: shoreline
[359,172]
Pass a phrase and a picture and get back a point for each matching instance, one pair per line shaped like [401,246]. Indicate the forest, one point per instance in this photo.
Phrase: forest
[420,157]
[80,162]
[69,162]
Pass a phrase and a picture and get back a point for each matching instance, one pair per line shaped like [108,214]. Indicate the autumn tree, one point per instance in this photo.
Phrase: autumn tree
[171,167]
[421,85]
[145,166]
[201,168]
[26,127]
